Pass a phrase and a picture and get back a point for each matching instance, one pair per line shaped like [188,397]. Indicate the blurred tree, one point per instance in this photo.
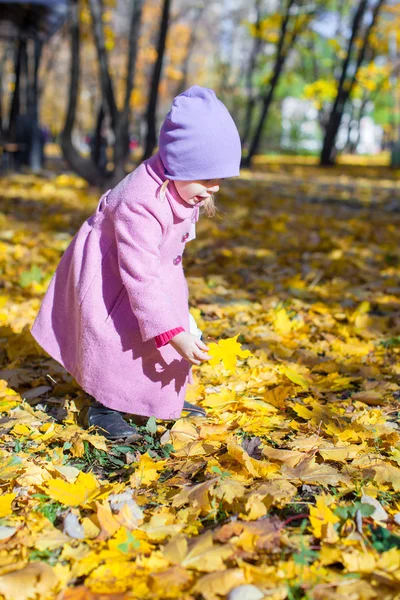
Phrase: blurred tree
[371,87]
[319,54]
[96,172]
[357,48]
[190,47]
[151,135]
[251,92]
[283,28]
[26,27]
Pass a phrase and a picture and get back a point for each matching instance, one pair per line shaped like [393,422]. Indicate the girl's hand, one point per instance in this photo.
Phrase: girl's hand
[190,348]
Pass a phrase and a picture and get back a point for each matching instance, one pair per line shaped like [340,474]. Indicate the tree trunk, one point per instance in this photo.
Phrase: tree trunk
[352,120]
[16,99]
[107,89]
[97,142]
[121,148]
[82,166]
[1,108]
[119,119]
[182,86]
[2,66]
[251,100]
[345,85]
[3,61]
[52,59]
[281,55]
[151,137]
[36,143]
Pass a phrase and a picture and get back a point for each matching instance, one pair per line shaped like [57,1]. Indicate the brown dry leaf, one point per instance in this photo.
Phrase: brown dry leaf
[50,538]
[108,523]
[161,526]
[175,580]
[197,496]
[262,534]
[228,490]
[276,491]
[387,473]
[370,397]
[253,467]
[219,584]
[309,471]
[289,457]
[35,579]
[203,555]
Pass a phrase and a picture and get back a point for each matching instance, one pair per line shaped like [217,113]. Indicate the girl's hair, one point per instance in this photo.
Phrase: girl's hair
[208,206]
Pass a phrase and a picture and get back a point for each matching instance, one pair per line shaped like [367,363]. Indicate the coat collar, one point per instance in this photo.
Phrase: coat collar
[180,208]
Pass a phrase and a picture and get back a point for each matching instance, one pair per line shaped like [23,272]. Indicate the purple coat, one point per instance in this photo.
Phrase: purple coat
[119,284]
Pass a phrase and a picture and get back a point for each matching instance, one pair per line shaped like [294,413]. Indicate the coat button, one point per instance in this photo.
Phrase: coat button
[177,260]
[185,237]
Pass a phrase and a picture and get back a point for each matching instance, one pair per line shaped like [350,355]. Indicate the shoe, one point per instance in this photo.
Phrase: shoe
[192,410]
[110,423]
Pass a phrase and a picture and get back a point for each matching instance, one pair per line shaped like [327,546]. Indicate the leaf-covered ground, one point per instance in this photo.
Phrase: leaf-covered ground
[291,487]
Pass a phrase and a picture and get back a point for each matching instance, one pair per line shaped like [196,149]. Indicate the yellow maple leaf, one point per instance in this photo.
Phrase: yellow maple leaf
[220,400]
[321,516]
[83,491]
[255,508]
[204,555]
[252,467]
[358,562]
[108,523]
[282,322]
[147,470]
[162,525]
[5,504]
[294,376]
[227,351]
[20,429]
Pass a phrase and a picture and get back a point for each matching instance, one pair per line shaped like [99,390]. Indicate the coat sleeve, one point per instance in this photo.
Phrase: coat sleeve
[138,235]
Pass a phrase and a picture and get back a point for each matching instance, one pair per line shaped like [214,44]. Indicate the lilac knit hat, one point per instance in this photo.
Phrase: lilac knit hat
[199,139]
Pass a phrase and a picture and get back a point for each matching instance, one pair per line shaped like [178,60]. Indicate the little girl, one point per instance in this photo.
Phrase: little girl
[116,313]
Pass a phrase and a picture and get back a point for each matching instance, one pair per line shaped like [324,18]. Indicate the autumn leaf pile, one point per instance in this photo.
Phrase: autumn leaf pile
[291,486]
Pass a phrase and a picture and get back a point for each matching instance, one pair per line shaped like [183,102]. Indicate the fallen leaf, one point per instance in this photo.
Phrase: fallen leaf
[147,471]
[219,584]
[379,514]
[108,523]
[6,501]
[227,351]
[321,515]
[202,556]
[36,579]
[83,491]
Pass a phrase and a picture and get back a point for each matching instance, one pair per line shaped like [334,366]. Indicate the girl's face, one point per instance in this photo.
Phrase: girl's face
[193,192]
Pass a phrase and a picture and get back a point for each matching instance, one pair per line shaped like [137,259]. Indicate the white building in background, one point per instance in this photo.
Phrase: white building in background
[301,131]
[371,135]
